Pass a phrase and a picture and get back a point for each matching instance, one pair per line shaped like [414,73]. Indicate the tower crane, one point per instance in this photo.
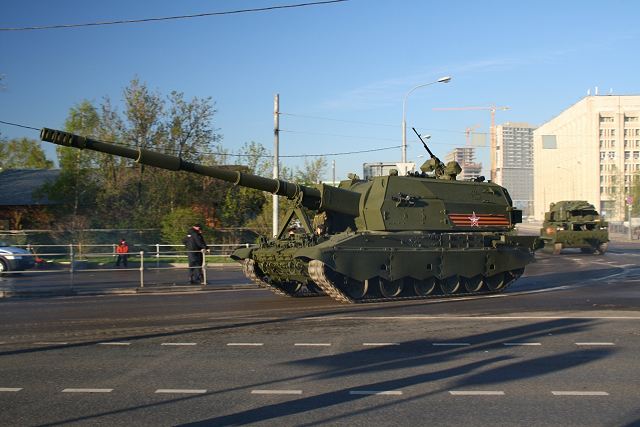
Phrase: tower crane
[492,109]
[468,131]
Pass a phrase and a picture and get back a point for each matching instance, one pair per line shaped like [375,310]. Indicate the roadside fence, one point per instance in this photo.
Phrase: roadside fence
[74,259]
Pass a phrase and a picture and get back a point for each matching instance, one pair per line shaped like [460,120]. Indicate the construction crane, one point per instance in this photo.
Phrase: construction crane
[492,109]
[468,131]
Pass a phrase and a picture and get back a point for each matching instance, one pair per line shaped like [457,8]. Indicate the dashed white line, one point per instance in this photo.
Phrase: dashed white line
[87,390]
[179,343]
[450,344]
[476,393]
[50,343]
[246,344]
[276,391]
[520,343]
[595,343]
[9,389]
[580,393]
[376,392]
[312,344]
[374,344]
[114,343]
[180,391]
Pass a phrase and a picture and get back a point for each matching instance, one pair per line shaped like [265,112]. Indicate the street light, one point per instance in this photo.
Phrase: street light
[446,79]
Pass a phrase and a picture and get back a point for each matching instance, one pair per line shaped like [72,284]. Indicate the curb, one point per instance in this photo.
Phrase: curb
[148,290]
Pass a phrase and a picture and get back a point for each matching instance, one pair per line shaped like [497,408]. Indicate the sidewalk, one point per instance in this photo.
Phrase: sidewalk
[113,281]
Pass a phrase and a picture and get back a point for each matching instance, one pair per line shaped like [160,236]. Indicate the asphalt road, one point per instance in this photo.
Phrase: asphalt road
[559,348]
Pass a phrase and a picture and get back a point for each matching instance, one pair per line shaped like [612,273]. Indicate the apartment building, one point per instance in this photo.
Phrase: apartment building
[514,163]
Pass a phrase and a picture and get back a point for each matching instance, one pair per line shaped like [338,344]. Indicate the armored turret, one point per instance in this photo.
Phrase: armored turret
[392,237]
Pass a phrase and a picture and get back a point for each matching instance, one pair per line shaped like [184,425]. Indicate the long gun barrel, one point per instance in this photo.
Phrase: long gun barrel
[322,197]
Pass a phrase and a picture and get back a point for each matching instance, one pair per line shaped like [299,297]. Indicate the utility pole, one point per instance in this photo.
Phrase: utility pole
[333,181]
[276,159]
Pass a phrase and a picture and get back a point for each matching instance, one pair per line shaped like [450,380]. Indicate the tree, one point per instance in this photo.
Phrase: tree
[312,172]
[176,223]
[23,153]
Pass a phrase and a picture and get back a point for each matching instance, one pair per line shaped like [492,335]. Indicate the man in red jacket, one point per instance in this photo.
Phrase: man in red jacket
[122,250]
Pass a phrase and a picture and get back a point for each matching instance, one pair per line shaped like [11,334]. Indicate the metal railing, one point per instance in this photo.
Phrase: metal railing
[74,259]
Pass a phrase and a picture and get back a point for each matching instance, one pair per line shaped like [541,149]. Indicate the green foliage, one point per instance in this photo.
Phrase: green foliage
[23,153]
[176,224]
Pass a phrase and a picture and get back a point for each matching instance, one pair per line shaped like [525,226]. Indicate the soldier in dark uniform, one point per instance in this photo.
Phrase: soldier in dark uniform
[195,244]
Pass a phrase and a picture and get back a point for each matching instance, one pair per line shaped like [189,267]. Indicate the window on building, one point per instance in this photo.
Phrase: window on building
[611,155]
[604,119]
[627,155]
[630,119]
[613,132]
[602,155]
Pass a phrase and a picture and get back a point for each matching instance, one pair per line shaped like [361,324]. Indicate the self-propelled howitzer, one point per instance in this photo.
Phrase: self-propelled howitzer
[388,238]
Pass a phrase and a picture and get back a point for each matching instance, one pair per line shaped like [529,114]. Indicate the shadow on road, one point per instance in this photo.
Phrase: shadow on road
[449,364]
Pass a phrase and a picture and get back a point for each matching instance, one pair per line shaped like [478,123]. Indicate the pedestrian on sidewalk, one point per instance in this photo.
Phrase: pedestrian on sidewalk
[195,243]
[122,250]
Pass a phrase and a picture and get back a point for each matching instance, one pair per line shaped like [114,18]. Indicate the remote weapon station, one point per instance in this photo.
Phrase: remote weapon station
[393,237]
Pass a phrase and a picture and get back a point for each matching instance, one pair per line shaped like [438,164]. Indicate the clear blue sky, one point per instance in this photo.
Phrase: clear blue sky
[350,61]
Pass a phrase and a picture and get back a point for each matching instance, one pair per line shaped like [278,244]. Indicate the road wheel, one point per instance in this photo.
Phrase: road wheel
[390,288]
[603,248]
[424,287]
[450,285]
[515,274]
[289,287]
[496,282]
[355,289]
[473,284]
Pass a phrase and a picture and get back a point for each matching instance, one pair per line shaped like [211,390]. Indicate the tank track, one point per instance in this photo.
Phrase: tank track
[249,270]
[317,271]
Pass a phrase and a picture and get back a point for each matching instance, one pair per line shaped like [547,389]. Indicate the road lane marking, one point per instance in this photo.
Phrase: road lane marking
[450,344]
[580,393]
[246,344]
[180,391]
[595,343]
[312,344]
[374,344]
[87,390]
[276,391]
[50,343]
[474,318]
[114,343]
[179,343]
[476,393]
[9,389]
[520,343]
[376,392]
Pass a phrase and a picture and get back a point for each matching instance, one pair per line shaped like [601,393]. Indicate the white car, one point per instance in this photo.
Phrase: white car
[15,259]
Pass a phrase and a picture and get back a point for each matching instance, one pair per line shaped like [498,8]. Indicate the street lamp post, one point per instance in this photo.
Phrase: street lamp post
[446,79]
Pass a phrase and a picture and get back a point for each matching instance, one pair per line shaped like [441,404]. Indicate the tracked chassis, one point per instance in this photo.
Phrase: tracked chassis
[410,266]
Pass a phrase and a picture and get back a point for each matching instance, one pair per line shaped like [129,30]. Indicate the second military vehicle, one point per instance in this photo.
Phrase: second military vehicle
[393,237]
[574,224]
